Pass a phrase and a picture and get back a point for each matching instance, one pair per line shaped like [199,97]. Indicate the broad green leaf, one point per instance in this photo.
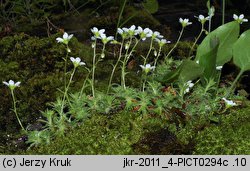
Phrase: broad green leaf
[227,35]
[188,70]
[241,51]
[151,5]
[170,76]
[208,60]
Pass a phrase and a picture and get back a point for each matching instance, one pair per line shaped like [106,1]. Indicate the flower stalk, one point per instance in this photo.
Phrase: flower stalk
[15,109]
[178,40]
[115,66]
[93,70]
[149,51]
[157,57]
[76,62]
[12,85]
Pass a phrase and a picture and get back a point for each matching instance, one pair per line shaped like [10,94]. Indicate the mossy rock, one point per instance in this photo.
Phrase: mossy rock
[231,137]
[98,135]
[102,134]
[38,64]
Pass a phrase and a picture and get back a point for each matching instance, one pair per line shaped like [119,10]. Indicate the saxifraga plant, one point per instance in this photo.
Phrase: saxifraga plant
[12,85]
[64,113]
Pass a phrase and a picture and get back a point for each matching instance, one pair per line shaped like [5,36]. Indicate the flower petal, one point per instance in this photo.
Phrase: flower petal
[65,35]
[11,82]
[70,36]
[72,59]
[17,83]
[82,63]
[59,40]
[78,60]
[4,82]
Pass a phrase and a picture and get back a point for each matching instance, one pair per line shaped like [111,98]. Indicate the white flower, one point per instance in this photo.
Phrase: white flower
[147,68]
[184,22]
[229,103]
[97,33]
[219,68]
[120,31]
[77,61]
[162,42]
[189,85]
[155,35]
[197,61]
[240,18]
[65,39]
[125,29]
[144,33]
[131,31]
[123,32]
[11,84]
[106,39]
[203,19]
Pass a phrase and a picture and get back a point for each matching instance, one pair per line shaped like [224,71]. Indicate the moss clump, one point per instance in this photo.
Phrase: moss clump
[231,137]
[102,134]
[38,64]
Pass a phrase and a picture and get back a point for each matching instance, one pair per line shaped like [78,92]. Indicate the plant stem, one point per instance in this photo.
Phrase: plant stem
[132,50]
[120,16]
[126,59]
[66,90]
[157,57]
[181,33]
[149,51]
[196,40]
[15,111]
[209,24]
[65,68]
[144,83]
[93,71]
[223,11]
[84,83]
[234,83]
[115,66]
[124,65]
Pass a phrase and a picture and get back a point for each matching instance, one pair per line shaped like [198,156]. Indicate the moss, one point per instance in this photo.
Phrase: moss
[231,137]
[181,51]
[103,134]
[38,64]
[98,135]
